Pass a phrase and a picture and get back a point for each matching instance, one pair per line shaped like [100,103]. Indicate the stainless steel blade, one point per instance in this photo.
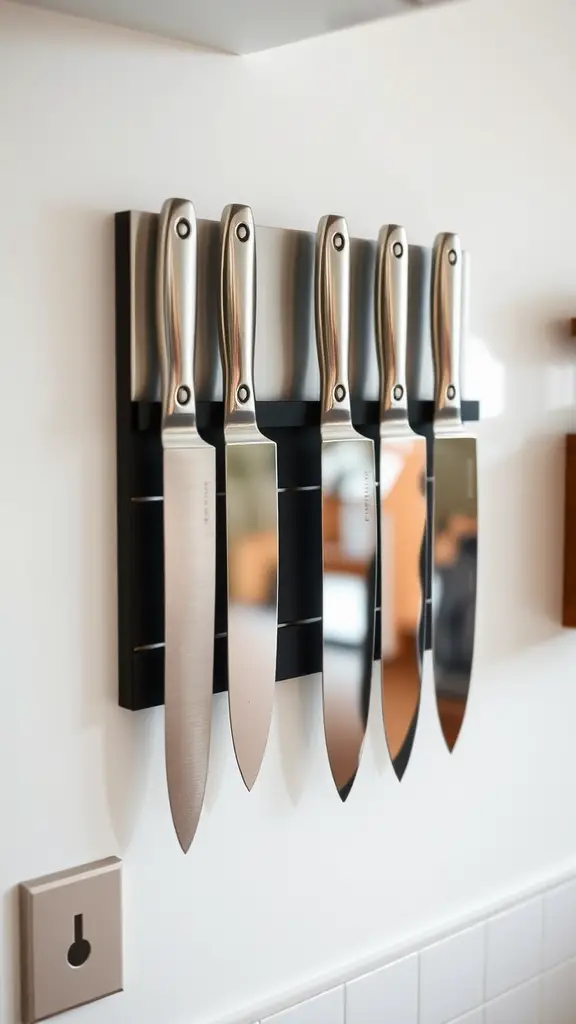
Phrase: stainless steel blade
[455,527]
[348,519]
[251,505]
[402,505]
[189,527]
[189,563]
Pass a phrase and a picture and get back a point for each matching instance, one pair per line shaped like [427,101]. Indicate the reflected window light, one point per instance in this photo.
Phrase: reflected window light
[344,609]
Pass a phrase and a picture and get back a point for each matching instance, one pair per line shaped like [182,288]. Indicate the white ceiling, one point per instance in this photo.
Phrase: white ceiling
[236,26]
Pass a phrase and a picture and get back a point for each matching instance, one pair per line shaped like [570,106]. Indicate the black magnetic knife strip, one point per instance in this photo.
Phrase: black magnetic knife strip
[294,426]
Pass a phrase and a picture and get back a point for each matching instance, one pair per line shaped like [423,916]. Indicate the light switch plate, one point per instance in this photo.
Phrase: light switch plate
[71,938]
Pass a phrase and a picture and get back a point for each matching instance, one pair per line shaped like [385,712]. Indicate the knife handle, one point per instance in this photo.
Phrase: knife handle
[332,312]
[237,312]
[391,298]
[176,259]
[446,305]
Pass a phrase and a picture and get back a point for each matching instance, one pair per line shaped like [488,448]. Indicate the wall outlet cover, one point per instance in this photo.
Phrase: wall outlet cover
[71,938]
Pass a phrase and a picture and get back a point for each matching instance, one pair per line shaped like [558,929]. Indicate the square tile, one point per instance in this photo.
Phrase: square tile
[519,1006]
[325,1009]
[559,925]
[559,994]
[476,1017]
[387,995]
[452,976]
[513,947]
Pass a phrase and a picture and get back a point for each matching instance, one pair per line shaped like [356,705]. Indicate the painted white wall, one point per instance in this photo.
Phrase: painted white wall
[460,118]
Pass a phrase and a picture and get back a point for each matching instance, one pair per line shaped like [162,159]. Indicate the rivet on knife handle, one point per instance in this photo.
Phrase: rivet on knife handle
[446,333]
[391,320]
[238,309]
[333,317]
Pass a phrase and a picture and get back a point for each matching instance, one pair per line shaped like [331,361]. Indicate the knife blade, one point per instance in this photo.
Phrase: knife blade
[251,504]
[402,504]
[455,523]
[189,525]
[348,518]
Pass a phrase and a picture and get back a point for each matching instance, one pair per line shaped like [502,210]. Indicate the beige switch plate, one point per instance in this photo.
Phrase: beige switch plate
[71,938]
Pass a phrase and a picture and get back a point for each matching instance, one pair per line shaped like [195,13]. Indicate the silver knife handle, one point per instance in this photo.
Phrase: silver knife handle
[446,326]
[238,312]
[391,295]
[332,311]
[176,317]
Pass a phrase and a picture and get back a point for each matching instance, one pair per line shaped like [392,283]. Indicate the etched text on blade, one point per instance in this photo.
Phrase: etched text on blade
[455,557]
[349,577]
[190,550]
[252,540]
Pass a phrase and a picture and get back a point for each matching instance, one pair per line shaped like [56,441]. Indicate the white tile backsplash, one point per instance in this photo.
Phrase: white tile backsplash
[325,1009]
[386,996]
[452,976]
[517,966]
[559,994]
[559,925]
[519,1006]
[513,947]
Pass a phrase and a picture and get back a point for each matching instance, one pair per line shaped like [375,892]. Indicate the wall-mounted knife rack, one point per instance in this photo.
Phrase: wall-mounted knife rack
[288,411]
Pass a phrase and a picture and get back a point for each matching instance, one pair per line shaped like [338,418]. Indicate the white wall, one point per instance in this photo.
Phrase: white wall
[460,117]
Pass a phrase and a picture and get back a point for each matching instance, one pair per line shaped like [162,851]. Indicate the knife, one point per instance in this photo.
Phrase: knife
[189,525]
[402,504]
[349,499]
[455,524]
[251,504]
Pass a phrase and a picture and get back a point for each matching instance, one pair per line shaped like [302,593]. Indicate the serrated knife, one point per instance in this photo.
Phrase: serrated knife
[455,525]
[189,525]
[402,504]
[251,504]
[349,498]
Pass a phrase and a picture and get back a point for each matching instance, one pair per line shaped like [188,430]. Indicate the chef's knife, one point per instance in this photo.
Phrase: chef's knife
[349,497]
[402,504]
[251,504]
[189,525]
[455,527]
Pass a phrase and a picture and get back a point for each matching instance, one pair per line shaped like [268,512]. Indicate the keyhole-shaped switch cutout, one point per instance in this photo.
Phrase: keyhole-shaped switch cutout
[80,949]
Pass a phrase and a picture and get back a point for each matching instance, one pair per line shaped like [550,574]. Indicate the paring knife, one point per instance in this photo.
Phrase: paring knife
[402,504]
[189,525]
[348,493]
[455,527]
[251,504]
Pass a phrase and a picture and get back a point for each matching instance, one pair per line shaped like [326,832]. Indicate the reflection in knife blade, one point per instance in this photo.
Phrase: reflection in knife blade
[348,600]
[454,577]
[403,524]
[252,540]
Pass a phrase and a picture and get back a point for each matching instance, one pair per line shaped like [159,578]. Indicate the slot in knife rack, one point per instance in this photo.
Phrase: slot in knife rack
[288,411]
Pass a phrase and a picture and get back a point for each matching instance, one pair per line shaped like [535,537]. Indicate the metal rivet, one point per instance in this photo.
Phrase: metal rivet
[183,228]
[338,241]
[398,392]
[243,393]
[452,258]
[450,392]
[398,249]
[339,393]
[243,234]
[183,395]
